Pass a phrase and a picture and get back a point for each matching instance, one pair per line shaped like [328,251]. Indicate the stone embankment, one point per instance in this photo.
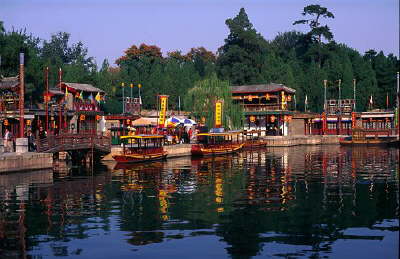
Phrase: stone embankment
[12,162]
[279,141]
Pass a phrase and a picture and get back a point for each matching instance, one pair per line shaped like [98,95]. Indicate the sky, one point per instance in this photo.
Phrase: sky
[108,27]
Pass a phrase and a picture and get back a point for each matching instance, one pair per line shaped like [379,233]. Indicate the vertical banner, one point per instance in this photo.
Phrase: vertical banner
[324,123]
[163,110]
[218,114]
[283,102]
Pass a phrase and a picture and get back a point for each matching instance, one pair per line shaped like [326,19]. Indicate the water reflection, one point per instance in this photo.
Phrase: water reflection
[308,201]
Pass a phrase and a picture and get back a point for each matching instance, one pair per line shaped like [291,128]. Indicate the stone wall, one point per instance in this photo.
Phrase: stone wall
[296,127]
[11,162]
[178,150]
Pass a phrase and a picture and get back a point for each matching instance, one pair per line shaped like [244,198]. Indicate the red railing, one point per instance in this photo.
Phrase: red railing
[68,142]
[86,107]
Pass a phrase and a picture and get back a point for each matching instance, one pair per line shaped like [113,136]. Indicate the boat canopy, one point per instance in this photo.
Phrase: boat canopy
[143,137]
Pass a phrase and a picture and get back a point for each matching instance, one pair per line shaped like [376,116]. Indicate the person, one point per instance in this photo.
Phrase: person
[42,133]
[31,142]
[7,141]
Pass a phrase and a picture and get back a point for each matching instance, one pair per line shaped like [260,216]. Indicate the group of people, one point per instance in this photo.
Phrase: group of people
[9,140]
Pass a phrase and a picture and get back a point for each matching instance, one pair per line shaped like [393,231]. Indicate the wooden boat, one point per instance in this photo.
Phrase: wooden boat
[217,143]
[359,137]
[252,139]
[141,148]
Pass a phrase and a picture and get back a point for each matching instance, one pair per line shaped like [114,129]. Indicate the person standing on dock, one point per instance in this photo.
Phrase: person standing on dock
[7,141]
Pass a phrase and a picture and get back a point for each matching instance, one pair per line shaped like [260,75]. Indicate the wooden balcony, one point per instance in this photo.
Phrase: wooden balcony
[263,107]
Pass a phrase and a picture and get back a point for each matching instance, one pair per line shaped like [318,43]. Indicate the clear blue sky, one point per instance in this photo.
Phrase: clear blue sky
[108,27]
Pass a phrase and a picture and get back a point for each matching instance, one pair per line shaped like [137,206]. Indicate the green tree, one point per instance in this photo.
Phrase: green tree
[242,56]
[317,30]
[203,96]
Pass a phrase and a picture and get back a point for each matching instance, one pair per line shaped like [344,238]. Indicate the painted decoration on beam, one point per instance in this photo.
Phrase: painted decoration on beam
[218,114]
[163,110]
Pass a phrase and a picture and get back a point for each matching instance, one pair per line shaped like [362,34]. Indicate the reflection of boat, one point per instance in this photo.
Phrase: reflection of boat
[140,148]
[359,137]
[253,140]
[217,143]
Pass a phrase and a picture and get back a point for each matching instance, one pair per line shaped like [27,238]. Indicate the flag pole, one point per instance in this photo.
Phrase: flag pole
[47,99]
[354,94]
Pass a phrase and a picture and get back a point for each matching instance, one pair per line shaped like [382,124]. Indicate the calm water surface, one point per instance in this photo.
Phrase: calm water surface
[318,202]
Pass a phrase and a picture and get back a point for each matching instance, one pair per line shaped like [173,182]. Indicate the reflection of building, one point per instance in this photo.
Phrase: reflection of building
[266,106]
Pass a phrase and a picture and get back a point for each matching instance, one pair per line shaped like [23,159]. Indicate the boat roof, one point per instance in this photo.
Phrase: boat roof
[227,133]
[142,136]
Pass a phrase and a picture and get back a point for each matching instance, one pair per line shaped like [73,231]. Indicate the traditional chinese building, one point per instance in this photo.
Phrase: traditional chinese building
[267,107]
[340,118]
[84,101]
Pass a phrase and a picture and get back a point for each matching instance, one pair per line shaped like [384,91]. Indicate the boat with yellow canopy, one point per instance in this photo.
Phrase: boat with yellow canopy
[217,143]
[141,148]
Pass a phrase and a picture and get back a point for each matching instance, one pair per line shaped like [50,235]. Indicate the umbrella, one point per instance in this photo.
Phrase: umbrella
[189,122]
[172,121]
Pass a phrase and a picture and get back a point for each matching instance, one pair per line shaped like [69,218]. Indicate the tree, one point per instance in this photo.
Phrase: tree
[317,30]
[242,56]
[203,96]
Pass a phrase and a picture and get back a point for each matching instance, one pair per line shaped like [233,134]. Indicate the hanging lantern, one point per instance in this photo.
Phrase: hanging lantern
[250,98]
[6,122]
[272,118]
[28,122]
[267,97]
[289,98]
[252,118]
[82,117]
[98,117]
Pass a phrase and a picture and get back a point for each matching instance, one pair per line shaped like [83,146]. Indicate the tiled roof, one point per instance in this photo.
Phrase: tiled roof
[265,88]
[9,82]
[84,87]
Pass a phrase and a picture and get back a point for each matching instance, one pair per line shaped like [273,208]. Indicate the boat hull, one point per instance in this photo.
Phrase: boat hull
[137,158]
[211,150]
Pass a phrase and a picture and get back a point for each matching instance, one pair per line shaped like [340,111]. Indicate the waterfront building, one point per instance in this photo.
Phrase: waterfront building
[340,118]
[267,107]
[71,107]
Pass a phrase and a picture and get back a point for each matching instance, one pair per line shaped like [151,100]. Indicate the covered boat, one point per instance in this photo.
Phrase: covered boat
[141,148]
[217,143]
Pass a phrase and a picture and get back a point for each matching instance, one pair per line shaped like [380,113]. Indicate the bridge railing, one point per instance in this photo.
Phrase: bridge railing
[67,141]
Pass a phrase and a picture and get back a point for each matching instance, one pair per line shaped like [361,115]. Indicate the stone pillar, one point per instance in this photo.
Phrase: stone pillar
[21,145]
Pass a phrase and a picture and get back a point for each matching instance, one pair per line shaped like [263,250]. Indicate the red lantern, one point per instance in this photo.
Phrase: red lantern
[272,118]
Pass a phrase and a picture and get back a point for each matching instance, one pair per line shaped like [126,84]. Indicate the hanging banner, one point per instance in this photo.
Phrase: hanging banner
[283,100]
[163,110]
[353,120]
[218,114]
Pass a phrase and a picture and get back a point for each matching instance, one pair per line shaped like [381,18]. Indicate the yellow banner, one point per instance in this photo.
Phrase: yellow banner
[163,110]
[218,114]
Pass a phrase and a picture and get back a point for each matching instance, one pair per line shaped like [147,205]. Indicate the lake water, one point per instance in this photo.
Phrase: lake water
[298,202]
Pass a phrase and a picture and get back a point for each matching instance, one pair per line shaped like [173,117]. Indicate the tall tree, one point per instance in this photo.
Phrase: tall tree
[317,30]
[242,56]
